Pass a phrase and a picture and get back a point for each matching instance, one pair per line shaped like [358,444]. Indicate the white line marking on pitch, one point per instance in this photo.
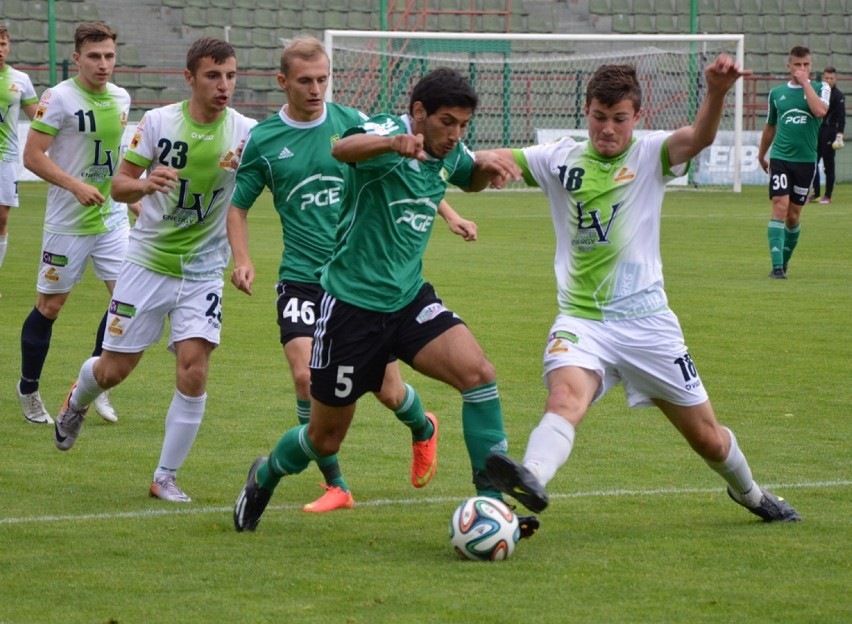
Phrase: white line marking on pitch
[384,502]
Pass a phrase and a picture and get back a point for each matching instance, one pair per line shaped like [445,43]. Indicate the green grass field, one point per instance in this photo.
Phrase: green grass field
[639,529]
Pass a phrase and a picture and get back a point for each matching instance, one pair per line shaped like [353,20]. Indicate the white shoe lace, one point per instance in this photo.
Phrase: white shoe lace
[71,420]
[169,490]
[34,407]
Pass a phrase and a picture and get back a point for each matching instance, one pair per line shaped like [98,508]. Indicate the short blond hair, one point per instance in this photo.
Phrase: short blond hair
[305,48]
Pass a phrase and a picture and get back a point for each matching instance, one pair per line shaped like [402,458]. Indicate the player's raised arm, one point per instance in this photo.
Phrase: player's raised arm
[360,147]
[493,169]
[688,141]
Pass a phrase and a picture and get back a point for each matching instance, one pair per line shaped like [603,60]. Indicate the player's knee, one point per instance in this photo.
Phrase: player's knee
[561,400]
[712,444]
[479,374]
[302,382]
[390,398]
[192,379]
[50,307]
[325,442]
[110,376]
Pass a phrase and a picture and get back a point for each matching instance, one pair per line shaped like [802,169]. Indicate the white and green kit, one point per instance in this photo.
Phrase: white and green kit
[87,128]
[606,213]
[16,90]
[182,233]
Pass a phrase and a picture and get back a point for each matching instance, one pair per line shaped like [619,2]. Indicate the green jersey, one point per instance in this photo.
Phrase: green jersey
[293,159]
[16,90]
[797,128]
[389,206]
[87,128]
[182,233]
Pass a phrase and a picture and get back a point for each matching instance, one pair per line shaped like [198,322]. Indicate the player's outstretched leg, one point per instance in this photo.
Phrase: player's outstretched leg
[771,508]
[252,501]
[337,494]
[68,423]
[513,479]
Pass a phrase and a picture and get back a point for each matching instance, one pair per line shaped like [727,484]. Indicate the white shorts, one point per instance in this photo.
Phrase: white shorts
[9,184]
[647,354]
[142,301]
[64,258]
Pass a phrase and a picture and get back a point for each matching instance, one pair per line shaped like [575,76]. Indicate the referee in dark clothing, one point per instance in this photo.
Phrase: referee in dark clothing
[830,135]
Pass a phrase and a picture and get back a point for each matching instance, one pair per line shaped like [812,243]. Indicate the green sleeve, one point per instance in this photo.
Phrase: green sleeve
[667,167]
[43,127]
[136,159]
[521,161]
[252,176]
[462,175]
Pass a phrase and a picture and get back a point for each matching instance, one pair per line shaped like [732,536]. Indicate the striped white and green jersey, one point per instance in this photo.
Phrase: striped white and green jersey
[87,128]
[606,212]
[16,90]
[796,127]
[182,233]
[293,160]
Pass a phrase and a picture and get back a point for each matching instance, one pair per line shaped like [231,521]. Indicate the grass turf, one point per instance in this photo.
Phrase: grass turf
[639,530]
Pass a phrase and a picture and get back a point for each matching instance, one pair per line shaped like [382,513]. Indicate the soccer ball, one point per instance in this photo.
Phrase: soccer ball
[484,529]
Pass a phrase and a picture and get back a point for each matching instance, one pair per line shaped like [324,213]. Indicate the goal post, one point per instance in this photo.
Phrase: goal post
[532,86]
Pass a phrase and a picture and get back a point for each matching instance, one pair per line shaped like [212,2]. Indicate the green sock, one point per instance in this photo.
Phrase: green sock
[291,455]
[410,413]
[776,242]
[482,423]
[791,239]
[303,411]
[329,466]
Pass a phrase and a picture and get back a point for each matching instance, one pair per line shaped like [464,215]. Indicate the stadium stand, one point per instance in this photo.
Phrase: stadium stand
[257,27]
[14,10]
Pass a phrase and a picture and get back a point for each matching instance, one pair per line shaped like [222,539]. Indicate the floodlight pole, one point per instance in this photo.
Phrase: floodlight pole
[51,41]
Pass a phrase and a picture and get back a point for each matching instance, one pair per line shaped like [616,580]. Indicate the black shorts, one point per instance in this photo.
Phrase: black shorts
[791,178]
[352,345]
[297,306]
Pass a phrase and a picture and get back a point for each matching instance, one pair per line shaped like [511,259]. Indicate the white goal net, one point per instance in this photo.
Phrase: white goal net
[532,87]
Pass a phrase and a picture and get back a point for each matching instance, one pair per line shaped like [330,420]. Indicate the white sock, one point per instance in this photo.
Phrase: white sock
[87,389]
[3,244]
[549,446]
[182,423]
[735,470]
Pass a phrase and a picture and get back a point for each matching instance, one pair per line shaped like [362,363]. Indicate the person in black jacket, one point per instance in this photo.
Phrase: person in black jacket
[830,136]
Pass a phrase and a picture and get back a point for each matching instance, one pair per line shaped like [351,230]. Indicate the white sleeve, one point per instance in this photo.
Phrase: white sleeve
[539,158]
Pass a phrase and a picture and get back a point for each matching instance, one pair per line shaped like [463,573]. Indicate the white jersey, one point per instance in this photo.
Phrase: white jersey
[182,233]
[87,128]
[16,90]
[606,213]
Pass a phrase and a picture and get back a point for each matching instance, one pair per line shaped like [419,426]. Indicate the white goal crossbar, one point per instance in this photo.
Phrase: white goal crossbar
[533,82]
